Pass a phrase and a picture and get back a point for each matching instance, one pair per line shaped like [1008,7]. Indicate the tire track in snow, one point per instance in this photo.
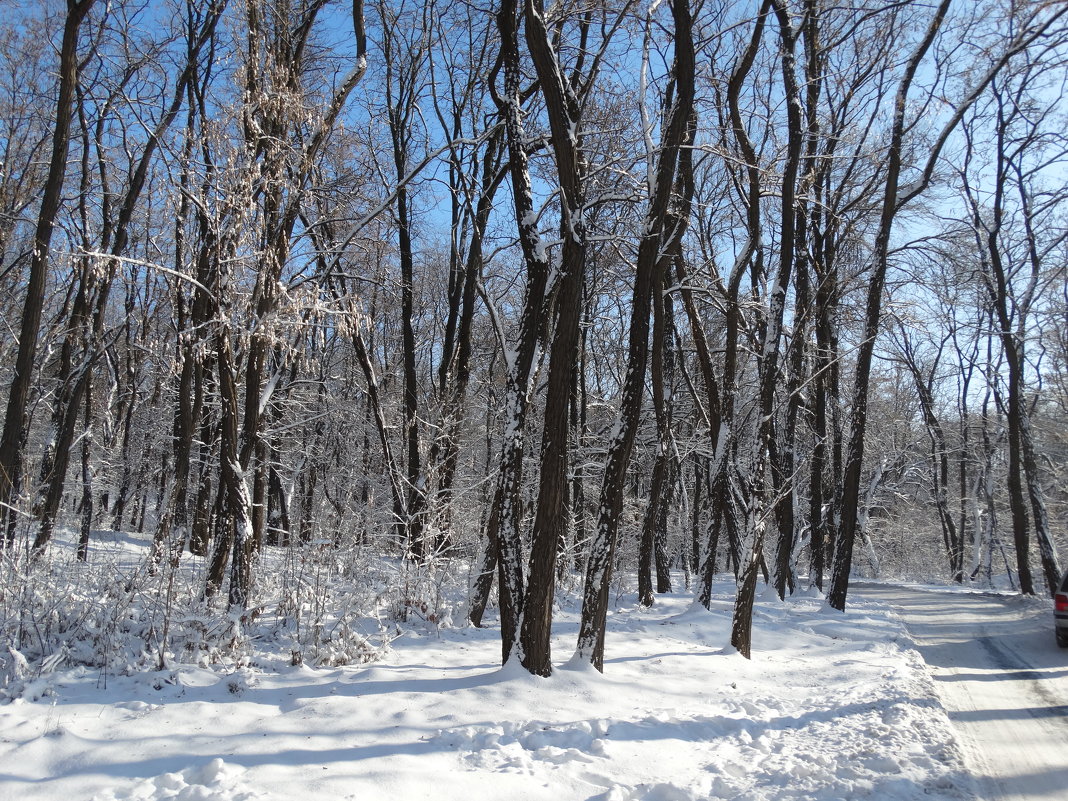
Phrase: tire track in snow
[1002,680]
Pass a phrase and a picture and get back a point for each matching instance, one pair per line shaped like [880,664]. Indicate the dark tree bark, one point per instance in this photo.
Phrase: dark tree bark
[13,438]
[662,229]
[741,627]
[579,532]
[200,529]
[551,515]
[503,545]
[785,444]
[86,503]
[654,523]
[854,460]
[233,476]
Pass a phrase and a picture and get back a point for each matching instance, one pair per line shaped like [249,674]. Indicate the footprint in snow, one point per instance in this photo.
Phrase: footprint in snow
[512,747]
[215,780]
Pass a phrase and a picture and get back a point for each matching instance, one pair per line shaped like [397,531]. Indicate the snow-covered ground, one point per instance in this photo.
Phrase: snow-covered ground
[1002,679]
[830,707]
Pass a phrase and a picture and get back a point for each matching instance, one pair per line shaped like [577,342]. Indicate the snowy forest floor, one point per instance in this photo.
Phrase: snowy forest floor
[831,706]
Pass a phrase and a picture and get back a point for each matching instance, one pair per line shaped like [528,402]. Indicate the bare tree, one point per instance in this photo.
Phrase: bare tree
[13,439]
[1032,29]
[665,224]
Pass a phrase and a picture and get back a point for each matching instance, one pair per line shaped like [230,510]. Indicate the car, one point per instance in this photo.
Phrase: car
[1060,612]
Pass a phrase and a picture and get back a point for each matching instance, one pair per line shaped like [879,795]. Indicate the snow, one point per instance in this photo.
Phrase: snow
[1001,678]
[541,256]
[832,706]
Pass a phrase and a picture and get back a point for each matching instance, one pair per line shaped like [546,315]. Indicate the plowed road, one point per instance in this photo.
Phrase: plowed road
[1003,681]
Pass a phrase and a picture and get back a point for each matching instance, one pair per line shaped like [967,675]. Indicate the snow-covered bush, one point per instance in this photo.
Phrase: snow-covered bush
[316,604]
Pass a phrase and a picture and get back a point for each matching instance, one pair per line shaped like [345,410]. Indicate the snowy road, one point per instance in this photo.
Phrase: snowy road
[1003,681]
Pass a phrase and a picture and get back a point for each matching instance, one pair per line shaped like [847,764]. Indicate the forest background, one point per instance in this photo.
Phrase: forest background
[337,306]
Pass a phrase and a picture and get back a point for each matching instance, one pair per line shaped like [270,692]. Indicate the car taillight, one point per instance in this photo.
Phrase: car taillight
[1060,602]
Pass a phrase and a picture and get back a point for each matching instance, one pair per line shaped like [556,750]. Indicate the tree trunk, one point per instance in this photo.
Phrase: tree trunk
[661,231]
[661,374]
[13,439]
[504,519]
[87,479]
[741,629]
[854,461]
